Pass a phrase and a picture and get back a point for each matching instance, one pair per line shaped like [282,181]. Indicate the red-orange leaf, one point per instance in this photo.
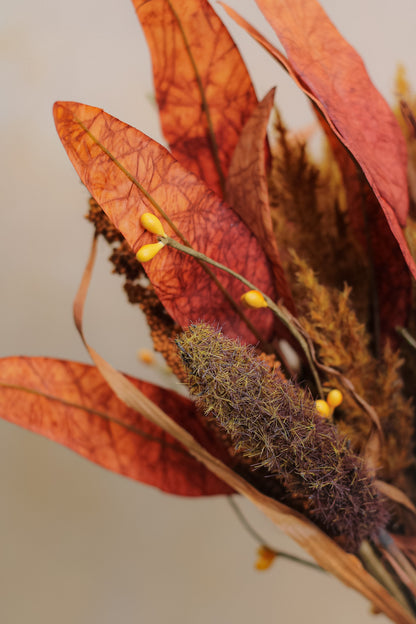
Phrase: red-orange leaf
[71,403]
[129,174]
[247,190]
[333,75]
[203,89]
[336,75]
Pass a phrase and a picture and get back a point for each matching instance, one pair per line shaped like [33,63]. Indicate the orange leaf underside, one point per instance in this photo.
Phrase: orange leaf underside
[333,75]
[203,89]
[81,412]
[93,139]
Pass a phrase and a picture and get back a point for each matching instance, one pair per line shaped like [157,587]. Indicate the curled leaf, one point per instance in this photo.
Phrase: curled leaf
[247,190]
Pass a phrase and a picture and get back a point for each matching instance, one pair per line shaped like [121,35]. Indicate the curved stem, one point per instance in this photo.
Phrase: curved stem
[262,542]
[281,312]
[237,309]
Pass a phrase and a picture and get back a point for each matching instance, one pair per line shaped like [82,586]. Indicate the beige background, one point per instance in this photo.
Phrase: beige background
[78,544]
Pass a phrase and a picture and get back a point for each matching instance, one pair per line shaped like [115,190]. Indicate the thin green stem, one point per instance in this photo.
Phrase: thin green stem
[237,309]
[262,542]
[282,313]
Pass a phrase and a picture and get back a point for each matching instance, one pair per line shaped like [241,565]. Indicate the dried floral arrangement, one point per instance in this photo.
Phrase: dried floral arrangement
[277,287]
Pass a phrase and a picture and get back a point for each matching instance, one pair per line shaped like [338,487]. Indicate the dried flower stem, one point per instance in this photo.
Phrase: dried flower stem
[280,311]
[377,569]
[261,541]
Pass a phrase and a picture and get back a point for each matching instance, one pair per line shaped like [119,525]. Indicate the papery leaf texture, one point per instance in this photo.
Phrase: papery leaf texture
[129,174]
[202,86]
[333,75]
[70,403]
[336,75]
[247,189]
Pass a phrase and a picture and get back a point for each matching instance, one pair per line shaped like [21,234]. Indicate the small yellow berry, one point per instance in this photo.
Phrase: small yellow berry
[254,299]
[265,558]
[146,356]
[323,408]
[334,398]
[152,224]
[147,252]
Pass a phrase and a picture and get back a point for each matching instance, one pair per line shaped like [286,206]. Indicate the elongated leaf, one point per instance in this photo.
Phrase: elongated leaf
[247,190]
[336,75]
[333,76]
[203,89]
[145,175]
[389,263]
[71,403]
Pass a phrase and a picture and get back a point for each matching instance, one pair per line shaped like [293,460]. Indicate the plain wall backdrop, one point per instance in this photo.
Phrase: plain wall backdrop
[77,543]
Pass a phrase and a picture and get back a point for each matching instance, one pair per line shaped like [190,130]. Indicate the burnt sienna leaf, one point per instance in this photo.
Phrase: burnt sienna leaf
[70,403]
[247,190]
[203,89]
[336,75]
[333,75]
[129,174]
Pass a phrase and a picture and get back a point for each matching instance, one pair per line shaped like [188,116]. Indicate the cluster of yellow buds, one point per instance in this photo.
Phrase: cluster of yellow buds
[152,224]
[326,408]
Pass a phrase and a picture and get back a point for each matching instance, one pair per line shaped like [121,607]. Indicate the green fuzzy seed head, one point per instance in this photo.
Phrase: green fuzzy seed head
[274,423]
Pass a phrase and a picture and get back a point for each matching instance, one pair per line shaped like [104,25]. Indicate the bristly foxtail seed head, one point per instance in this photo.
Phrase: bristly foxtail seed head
[274,422]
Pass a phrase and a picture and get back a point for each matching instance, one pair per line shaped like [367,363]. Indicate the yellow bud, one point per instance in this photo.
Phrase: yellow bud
[152,224]
[334,398]
[323,408]
[254,299]
[147,252]
[265,558]
[402,84]
[146,356]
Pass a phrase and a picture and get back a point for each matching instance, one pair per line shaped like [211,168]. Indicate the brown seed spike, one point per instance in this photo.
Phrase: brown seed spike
[274,422]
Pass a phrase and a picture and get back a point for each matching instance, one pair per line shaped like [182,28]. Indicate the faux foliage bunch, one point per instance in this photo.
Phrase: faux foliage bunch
[238,247]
